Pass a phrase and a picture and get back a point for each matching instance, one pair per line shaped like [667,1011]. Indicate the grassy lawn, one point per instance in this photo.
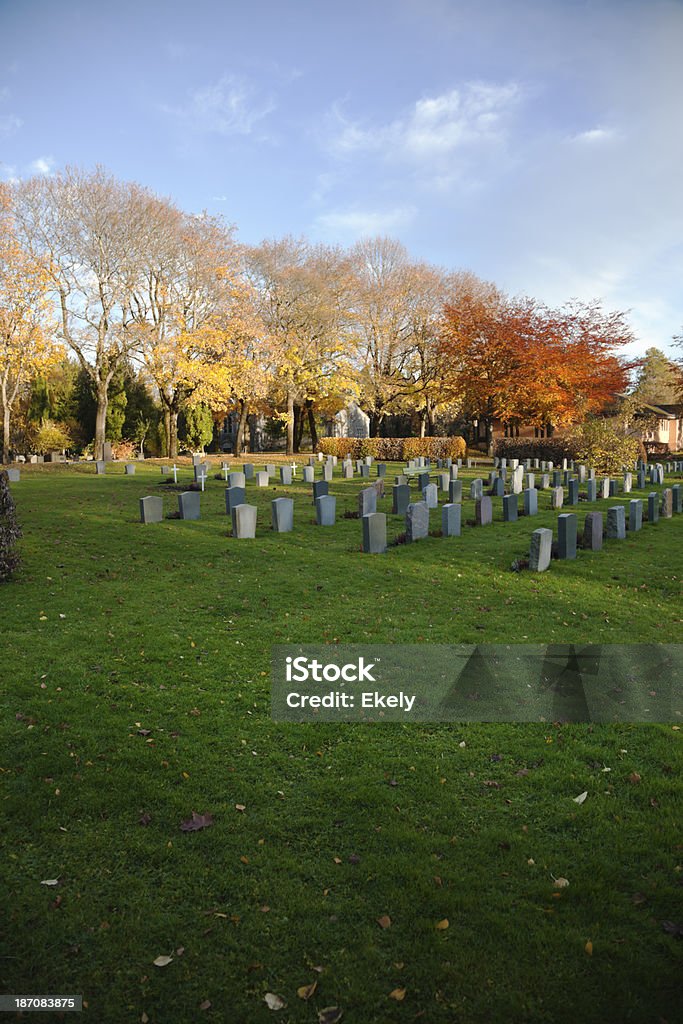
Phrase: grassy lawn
[135,669]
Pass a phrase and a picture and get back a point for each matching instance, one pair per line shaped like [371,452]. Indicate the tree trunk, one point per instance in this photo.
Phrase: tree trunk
[173,434]
[5,433]
[290,423]
[241,426]
[102,396]
[167,429]
[312,429]
[375,420]
[299,429]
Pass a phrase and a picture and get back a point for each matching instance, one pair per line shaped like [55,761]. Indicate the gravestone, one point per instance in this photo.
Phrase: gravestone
[477,489]
[677,498]
[262,479]
[628,483]
[107,455]
[196,459]
[248,470]
[635,515]
[309,474]
[422,481]
[14,475]
[641,479]
[401,478]
[244,522]
[510,508]
[530,481]
[188,505]
[270,469]
[582,473]
[517,483]
[201,470]
[451,518]
[430,495]
[374,533]
[483,511]
[530,501]
[442,481]
[234,496]
[381,469]
[573,488]
[514,463]
[282,514]
[567,526]
[368,460]
[541,549]
[556,478]
[237,479]
[592,531]
[556,497]
[400,499]
[591,490]
[616,523]
[604,487]
[667,506]
[417,521]
[100,468]
[320,488]
[326,510]
[130,469]
[653,507]
[613,489]
[379,487]
[367,501]
[328,470]
[286,475]
[455,491]
[498,489]
[454,472]
[151,509]
[364,470]
[545,481]
[347,470]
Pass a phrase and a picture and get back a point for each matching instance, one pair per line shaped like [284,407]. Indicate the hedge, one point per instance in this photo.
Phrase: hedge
[548,449]
[596,442]
[10,531]
[394,449]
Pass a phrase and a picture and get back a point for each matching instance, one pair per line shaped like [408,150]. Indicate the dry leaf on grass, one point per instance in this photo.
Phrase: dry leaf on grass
[163,961]
[384,921]
[306,991]
[273,1001]
[196,822]
[330,1015]
[398,994]
[581,797]
[441,926]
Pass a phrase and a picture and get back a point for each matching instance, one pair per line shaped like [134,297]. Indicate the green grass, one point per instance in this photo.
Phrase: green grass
[113,627]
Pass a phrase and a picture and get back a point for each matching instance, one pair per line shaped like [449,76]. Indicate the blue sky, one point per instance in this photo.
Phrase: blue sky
[538,143]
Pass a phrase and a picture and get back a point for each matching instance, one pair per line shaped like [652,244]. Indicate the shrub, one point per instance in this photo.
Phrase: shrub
[123,450]
[548,449]
[10,531]
[52,437]
[601,444]
[393,449]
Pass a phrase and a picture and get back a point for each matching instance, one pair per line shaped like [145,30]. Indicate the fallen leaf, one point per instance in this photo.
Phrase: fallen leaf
[560,883]
[442,925]
[273,1001]
[634,778]
[196,822]
[330,1015]
[206,1005]
[50,881]
[589,948]
[398,994]
[306,991]
[581,797]
[462,744]
[180,950]
[144,732]
[240,807]
[245,860]
[144,1019]
[491,783]
[384,921]
[56,903]
[337,860]
[163,961]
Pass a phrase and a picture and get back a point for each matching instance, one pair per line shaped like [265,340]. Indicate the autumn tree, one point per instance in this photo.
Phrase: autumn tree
[26,348]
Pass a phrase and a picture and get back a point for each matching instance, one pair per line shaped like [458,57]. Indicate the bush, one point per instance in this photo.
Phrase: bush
[598,443]
[10,531]
[548,449]
[123,450]
[393,449]
[52,437]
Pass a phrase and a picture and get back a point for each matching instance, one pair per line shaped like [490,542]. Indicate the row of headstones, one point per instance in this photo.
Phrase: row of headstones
[567,527]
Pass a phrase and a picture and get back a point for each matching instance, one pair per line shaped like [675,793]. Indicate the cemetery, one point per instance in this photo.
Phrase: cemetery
[173,819]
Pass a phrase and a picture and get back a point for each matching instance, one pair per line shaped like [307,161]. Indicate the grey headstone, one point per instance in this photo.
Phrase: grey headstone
[556,497]
[381,469]
[270,469]
[476,489]
[451,519]
[107,455]
[196,459]
[367,501]
[364,471]
[237,479]
[454,472]
[530,481]
[234,496]
[309,474]
[100,468]
[244,522]
[320,488]
[188,505]
[401,478]
[326,510]
[642,479]
[653,507]
[455,491]
[582,473]
[422,481]
[573,488]
[517,484]
[202,469]
[282,514]
[556,478]
[14,475]
[667,506]
[545,481]
[604,488]
[379,487]
[248,470]
[151,509]
[165,470]
[498,489]
[347,470]
[328,471]
[541,549]
[628,483]
[417,521]
[510,508]
[483,511]
[567,527]
[443,481]
[430,495]
[130,469]
[530,501]
[613,488]
[635,515]
[400,499]
[677,496]
[616,522]
[591,490]
[286,475]
[374,533]
[592,531]
[262,479]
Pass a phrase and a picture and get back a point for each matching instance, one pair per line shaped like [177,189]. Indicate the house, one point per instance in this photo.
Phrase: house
[663,428]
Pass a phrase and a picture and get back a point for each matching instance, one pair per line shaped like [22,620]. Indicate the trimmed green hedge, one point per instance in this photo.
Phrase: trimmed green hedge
[394,449]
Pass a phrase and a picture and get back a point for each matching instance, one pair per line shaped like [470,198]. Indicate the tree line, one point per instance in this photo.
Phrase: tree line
[123,284]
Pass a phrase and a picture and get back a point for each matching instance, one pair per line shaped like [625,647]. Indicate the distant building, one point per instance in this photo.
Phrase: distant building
[349,422]
[663,431]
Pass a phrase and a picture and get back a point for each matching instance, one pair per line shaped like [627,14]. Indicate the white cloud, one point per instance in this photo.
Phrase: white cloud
[594,135]
[433,126]
[42,165]
[357,222]
[9,123]
[230,106]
